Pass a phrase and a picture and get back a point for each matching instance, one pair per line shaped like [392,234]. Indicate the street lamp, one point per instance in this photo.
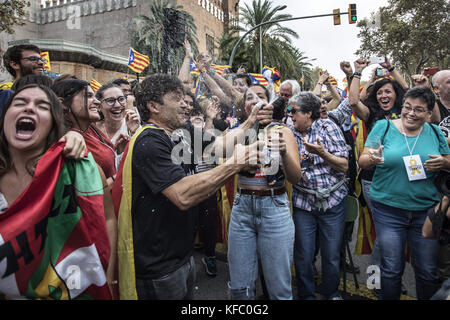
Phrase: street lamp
[260,40]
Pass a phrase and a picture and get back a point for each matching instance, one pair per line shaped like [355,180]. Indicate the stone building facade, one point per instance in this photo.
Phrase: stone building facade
[91,38]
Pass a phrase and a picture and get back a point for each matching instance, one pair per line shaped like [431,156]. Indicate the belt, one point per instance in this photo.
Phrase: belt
[270,192]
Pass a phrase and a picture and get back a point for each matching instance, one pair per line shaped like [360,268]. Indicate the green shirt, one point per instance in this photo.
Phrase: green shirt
[390,184]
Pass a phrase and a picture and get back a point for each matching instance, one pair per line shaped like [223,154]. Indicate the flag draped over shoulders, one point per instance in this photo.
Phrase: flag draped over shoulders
[53,238]
[122,201]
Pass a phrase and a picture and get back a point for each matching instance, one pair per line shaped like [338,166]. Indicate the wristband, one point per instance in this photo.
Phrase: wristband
[357,74]
[391,69]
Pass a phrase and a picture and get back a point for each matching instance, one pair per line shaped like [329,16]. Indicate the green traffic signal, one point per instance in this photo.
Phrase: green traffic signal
[352,13]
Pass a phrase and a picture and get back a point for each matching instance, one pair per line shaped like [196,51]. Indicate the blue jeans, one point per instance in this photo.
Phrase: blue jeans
[177,285]
[260,227]
[394,227]
[331,230]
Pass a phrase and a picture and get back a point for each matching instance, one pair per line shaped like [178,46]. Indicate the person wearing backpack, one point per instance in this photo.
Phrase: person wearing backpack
[402,191]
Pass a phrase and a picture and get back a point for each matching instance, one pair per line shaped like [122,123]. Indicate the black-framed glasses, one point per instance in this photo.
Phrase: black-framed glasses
[414,110]
[35,59]
[112,101]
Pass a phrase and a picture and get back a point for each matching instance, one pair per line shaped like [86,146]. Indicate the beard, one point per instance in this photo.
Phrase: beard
[27,70]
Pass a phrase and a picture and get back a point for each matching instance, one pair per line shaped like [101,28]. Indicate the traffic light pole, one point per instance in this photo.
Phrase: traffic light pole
[275,21]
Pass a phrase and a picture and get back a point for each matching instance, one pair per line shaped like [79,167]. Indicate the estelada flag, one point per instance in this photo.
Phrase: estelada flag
[46,56]
[95,85]
[137,61]
[53,238]
[258,78]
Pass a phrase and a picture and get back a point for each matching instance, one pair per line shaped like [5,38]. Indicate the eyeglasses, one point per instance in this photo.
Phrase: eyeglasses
[35,59]
[112,101]
[408,109]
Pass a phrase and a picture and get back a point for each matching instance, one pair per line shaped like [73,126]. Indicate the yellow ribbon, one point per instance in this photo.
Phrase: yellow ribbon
[414,167]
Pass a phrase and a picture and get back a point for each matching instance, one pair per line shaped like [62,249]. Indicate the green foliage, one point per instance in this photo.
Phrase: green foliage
[149,38]
[11,12]
[413,33]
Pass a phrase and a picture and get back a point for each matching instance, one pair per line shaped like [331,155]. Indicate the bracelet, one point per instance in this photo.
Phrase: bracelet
[391,69]
[357,73]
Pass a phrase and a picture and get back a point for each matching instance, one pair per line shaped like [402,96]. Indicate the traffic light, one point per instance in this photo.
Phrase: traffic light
[337,17]
[352,13]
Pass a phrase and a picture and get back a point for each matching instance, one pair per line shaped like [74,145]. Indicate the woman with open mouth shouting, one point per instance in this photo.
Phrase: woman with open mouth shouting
[36,172]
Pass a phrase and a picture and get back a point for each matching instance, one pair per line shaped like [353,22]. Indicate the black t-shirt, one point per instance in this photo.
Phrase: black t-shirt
[163,235]
[443,110]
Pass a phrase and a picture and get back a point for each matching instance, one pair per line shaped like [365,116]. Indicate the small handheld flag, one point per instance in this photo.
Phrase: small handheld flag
[95,84]
[137,61]
[46,56]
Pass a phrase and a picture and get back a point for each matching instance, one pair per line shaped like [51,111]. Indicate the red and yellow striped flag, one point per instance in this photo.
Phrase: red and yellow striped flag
[46,56]
[95,84]
[137,61]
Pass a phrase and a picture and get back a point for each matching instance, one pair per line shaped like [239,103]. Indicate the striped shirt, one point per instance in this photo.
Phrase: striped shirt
[316,173]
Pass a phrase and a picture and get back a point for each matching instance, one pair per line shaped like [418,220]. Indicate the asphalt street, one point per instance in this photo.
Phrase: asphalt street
[215,288]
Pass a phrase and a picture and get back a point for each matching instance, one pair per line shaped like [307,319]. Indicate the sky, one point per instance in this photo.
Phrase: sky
[320,39]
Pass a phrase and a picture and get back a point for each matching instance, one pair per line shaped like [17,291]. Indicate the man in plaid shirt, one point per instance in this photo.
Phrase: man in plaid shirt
[319,196]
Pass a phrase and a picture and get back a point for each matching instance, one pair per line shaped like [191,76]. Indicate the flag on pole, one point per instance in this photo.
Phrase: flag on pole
[95,84]
[53,238]
[46,56]
[137,61]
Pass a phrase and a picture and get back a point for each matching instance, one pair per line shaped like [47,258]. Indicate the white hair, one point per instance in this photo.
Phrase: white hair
[294,85]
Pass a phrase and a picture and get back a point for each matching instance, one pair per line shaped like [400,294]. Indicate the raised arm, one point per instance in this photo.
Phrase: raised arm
[360,109]
[184,74]
[395,74]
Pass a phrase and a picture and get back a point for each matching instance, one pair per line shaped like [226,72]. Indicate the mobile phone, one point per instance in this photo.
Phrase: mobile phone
[380,72]
[377,60]
[430,71]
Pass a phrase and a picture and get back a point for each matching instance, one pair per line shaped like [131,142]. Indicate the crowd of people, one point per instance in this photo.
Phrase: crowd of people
[163,152]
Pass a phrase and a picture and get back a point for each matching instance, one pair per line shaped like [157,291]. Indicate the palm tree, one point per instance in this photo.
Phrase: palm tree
[276,41]
[149,38]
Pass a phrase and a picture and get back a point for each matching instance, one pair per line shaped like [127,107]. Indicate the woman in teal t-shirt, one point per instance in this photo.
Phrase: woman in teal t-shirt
[402,190]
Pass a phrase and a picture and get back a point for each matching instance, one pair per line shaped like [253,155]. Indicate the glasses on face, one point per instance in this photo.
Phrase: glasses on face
[112,101]
[35,59]
[408,109]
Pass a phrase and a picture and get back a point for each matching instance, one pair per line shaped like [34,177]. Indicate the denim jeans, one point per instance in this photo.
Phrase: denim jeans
[330,225]
[260,227]
[394,227]
[375,256]
[177,285]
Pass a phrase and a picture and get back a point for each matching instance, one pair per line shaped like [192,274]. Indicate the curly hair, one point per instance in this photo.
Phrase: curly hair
[153,89]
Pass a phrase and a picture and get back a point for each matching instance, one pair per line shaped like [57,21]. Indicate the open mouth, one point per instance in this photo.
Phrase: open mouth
[385,103]
[25,128]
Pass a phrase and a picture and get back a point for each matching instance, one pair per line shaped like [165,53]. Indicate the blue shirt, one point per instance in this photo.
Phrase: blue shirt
[4,97]
[390,184]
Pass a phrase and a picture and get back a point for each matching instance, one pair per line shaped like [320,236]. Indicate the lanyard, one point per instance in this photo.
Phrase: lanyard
[407,144]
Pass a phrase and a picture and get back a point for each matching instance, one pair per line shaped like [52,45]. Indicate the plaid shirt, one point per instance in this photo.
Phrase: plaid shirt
[319,174]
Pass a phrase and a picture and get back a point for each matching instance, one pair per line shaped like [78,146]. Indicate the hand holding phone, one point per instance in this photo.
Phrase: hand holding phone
[377,60]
